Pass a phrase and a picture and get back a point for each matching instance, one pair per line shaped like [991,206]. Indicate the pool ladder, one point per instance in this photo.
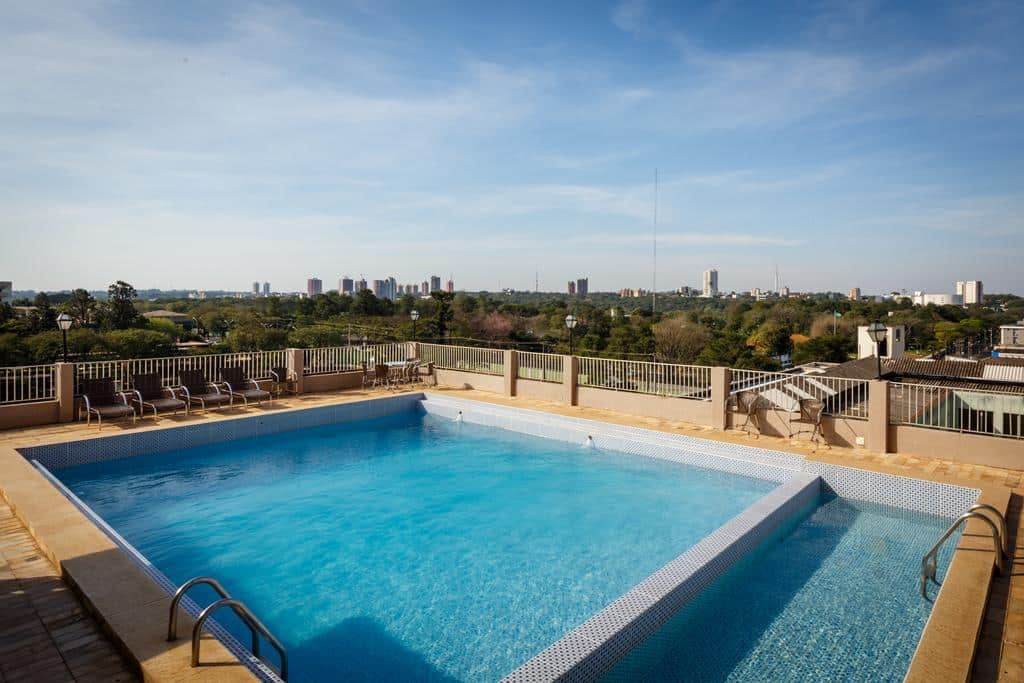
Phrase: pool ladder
[256,627]
[929,563]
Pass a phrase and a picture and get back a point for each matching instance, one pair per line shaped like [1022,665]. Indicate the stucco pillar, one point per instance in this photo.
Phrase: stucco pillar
[65,391]
[570,375]
[510,361]
[878,416]
[720,380]
[412,350]
[297,368]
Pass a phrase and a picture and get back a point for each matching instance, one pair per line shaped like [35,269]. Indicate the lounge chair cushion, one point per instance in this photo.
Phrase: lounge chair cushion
[252,394]
[112,410]
[162,404]
[211,398]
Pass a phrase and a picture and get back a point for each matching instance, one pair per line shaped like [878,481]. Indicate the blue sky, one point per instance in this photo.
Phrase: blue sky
[206,145]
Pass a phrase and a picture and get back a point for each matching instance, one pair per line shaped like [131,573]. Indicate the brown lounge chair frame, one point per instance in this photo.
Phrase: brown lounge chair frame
[810,413]
[245,388]
[104,400]
[748,403]
[284,381]
[195,389]
[151,393]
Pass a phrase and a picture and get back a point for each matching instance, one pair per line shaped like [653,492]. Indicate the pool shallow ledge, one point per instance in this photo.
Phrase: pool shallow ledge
[132,607]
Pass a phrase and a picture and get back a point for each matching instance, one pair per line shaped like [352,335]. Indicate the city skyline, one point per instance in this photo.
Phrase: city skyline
[497,143]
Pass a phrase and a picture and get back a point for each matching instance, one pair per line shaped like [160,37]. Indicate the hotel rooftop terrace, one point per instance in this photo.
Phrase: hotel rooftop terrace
[79,606]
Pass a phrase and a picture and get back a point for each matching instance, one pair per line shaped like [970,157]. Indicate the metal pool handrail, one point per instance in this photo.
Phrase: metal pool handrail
[256,627]
[929,563]
[247,616]
[999,518]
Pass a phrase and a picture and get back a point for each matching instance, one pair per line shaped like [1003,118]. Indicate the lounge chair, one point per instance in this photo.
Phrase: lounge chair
[195,390]
[151,394]
[240,386]
[284,381]
[103,401]
[381,375]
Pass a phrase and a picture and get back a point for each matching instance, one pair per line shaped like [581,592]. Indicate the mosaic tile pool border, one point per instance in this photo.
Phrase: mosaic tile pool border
[594,646]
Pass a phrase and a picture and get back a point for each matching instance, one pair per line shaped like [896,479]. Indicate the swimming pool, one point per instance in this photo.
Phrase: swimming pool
[386,541]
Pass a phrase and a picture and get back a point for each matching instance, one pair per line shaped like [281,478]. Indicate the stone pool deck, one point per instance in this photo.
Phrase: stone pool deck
[999,655]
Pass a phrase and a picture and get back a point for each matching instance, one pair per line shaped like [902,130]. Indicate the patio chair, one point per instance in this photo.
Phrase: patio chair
[195,390]
[810,413]
[240,386]
[103,401]
[150,393]
[748,403]
[284,381]
[412,371]
[381,375]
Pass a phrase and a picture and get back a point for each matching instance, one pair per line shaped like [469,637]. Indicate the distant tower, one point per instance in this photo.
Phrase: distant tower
[346,285]
[425,288]
[450,285]
[582,286]
[710,284]
[255,289]
[266,289]
[572,288]
[435,283]
[314,286]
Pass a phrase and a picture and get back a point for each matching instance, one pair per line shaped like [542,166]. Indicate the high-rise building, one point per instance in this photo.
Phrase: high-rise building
[854,294]
[379,288]
[346,285]
[449,286]
[971,291]
[6,290]
[425,288]
[435,283]
[360,284]
[571,288]
[392,288]
[710,283]
[582,286]
[314,286]
[415,289]
[255,289]
[266,289]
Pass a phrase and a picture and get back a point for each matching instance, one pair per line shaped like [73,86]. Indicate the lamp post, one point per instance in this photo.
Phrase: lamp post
[570,322]
[64,323]
[877,332]
[415,315]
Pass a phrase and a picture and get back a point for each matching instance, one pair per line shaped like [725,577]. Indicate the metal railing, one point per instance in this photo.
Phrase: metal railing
[973,411]
[840,396]
[468,358]
[546,367]
[257,365]
[642,377]
[28,383]
[330,359]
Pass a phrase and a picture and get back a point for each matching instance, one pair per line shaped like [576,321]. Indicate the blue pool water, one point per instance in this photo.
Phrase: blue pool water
[411,547]
[831,596]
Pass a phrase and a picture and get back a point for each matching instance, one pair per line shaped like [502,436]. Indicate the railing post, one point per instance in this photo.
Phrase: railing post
[878,416]
[720,381]
[65,391]
[570,376]
[412,350]
[296,367]
[510,362]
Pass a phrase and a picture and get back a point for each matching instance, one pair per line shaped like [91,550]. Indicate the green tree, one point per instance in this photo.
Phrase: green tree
[315,336]
[81,306]
[138,343]
[443,314]
[119,312]
[827,348]
[679,341]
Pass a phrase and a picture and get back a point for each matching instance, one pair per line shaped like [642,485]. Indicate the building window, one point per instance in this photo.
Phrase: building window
[1013,424]
[976,420]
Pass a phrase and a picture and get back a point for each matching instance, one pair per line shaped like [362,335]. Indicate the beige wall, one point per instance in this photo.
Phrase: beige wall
[29,414]
[545,391]
[969,448]
[342,380]
[697,412]
[838,431]
[458,378]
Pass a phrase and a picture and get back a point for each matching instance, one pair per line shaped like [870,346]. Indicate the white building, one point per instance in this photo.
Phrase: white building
[970,291]
[893,346]
[923,299]
[710,284]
